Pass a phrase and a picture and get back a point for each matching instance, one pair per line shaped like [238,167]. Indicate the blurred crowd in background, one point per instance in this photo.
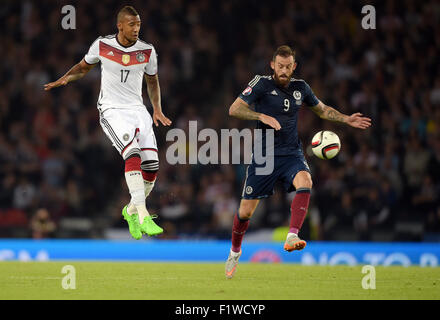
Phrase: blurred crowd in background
[60,176]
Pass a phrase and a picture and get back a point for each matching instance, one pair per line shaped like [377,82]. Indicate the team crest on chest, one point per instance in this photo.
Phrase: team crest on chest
[297,96]
[140,57]
[125,59]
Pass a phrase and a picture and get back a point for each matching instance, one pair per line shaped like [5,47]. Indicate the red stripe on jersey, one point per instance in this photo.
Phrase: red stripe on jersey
[122,57]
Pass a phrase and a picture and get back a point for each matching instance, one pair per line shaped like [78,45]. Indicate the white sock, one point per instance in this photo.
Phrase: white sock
[142,212]
[234,254]
[139,209]
[148,185]
[291,234]
[135,184]
[131,209]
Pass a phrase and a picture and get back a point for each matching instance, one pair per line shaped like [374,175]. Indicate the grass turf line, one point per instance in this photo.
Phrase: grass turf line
[206,281]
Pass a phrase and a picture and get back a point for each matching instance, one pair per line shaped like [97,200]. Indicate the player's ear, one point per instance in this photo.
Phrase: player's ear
[294,66]
[272,64]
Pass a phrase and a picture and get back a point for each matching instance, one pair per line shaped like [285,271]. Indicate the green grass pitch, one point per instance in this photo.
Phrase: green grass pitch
[206,281]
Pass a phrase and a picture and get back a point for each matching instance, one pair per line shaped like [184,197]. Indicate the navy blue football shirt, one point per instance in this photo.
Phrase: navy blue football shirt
[282,104]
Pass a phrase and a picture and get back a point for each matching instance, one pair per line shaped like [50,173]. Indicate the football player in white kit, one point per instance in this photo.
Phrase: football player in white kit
[123,116]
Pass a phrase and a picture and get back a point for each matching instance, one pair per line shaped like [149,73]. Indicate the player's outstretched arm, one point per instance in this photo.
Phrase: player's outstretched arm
[356,120]
[240,109]
[78,71]
[153,90]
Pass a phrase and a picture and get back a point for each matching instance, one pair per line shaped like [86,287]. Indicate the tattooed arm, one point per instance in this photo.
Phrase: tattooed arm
[329,113]
[356,120]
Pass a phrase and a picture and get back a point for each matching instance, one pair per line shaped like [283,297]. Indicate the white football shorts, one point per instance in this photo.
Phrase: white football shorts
[130,131]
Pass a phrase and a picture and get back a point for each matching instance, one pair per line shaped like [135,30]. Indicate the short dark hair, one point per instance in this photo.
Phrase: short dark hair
[127,10]
[284,51]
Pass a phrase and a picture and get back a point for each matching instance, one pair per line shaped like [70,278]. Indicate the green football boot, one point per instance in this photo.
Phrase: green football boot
[133,223]
[150,227]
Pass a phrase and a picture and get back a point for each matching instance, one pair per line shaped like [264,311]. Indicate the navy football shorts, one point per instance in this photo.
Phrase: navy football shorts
[285,170]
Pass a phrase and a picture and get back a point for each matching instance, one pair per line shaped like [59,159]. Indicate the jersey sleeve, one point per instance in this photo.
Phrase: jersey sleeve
[151,67]
[92,56]
[309,97]
[253,91]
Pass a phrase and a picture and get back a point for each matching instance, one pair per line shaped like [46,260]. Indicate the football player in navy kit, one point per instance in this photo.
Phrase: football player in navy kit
[277,99]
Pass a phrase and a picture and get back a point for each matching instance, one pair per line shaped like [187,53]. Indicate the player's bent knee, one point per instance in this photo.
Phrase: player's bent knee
[150,169]
[245,214]
[247,209]
[150,166]
[303,180]
[306,183]
[135,152]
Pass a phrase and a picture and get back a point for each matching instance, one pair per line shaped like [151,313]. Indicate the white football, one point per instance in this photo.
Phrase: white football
[326,144]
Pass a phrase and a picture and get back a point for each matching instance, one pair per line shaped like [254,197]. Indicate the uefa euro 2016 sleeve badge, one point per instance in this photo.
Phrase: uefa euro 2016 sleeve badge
[125,59]
[140,57]
[247,91]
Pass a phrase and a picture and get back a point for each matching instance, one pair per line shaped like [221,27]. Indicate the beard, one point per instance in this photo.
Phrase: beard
[283,80]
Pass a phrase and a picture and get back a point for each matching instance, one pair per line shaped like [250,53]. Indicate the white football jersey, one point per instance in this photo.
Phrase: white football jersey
[122,71]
